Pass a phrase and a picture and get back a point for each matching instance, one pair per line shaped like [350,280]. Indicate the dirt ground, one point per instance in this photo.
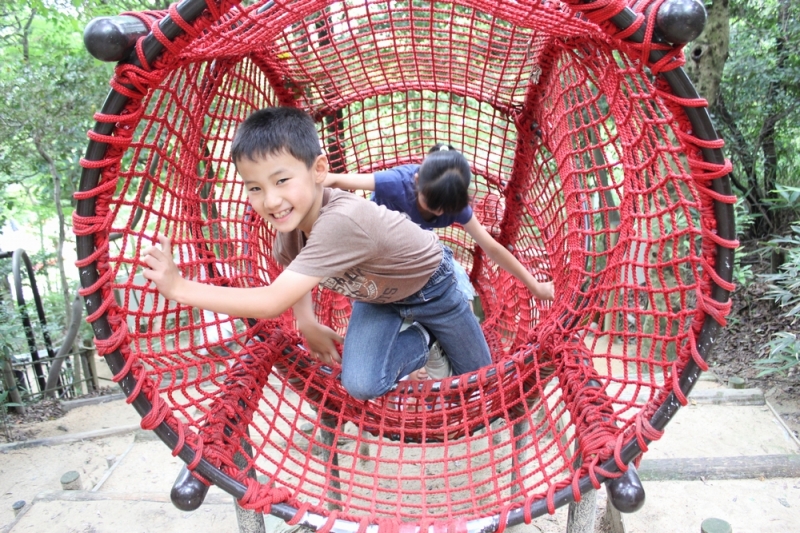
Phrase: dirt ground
[134,497]
[46,418]
[752,323]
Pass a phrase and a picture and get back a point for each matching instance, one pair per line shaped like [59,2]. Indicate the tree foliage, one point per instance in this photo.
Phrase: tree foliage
[50,87]
[758,105]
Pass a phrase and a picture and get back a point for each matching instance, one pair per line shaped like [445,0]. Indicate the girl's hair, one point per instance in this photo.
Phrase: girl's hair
[444,178]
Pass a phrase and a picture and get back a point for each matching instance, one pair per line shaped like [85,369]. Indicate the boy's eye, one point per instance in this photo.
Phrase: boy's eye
[282,180]
[254,189]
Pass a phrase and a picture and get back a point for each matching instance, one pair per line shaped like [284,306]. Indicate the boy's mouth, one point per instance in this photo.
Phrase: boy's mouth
[282,214]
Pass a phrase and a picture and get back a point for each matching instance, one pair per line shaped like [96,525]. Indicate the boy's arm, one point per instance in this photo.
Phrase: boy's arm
[256,302]
[352,182]
[320,338]
[507,261]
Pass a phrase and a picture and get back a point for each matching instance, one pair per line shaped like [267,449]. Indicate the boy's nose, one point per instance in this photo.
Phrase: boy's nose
[271,201]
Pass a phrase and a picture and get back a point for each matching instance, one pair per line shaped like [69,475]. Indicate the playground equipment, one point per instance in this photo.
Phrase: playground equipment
[595,162]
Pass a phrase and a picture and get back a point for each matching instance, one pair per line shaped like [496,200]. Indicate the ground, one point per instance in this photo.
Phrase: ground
[27,426]
[752,323]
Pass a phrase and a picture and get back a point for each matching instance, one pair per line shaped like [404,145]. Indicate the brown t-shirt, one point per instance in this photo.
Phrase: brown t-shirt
[362,250]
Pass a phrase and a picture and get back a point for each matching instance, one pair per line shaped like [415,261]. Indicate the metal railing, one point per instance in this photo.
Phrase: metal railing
[44,370]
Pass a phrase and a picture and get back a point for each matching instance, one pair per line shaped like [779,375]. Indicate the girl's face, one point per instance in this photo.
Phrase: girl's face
[422,204]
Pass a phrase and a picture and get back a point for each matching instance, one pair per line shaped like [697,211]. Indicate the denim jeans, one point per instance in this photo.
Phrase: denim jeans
[376,354]
[462,281]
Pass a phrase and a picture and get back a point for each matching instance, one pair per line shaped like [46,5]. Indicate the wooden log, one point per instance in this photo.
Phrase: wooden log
[581,515]
[249,521]
[748,467]
[715,525]
[612,519]
[727,396]
[155,497]
[66,439]
[71,481]
[69,405]
[709,397]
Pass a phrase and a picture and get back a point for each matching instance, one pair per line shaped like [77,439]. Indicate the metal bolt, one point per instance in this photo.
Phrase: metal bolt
[71,481]
[735,382]
[715,525]
[17,506]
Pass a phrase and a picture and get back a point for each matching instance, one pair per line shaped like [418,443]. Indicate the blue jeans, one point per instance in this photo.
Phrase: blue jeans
[376,354]
[462,281]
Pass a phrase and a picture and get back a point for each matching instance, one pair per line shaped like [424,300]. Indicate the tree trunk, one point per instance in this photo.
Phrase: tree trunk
[706,56]
[61,224]
[767,134]
[24,33]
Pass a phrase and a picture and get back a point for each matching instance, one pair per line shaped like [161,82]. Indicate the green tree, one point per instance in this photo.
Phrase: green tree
[51,88]
[755,100]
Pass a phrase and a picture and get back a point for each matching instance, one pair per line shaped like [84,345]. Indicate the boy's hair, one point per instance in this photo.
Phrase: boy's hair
[273,130]
[444,178]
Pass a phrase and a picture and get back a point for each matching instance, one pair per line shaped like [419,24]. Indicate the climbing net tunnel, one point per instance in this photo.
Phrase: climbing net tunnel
[594,163]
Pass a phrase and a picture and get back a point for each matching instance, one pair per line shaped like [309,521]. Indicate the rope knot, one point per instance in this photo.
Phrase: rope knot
[260,497]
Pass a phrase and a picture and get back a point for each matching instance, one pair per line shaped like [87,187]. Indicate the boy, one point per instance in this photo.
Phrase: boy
[391,268]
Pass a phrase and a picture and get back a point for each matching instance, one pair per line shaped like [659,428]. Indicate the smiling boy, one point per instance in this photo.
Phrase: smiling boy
[391,269]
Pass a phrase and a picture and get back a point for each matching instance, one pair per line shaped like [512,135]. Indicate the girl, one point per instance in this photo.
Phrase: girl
[436,195]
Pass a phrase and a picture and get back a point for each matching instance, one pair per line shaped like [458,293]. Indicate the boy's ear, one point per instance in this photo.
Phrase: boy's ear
[320,168]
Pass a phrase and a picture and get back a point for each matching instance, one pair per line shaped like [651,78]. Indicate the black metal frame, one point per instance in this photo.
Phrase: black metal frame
[702,128]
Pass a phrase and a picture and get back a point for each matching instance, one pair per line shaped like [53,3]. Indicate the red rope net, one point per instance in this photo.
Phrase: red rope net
[585,167]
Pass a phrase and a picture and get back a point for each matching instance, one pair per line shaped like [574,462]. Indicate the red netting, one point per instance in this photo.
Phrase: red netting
[585,168]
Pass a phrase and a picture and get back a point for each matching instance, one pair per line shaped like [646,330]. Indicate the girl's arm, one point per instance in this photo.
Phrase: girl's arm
[506,261]
[352,182]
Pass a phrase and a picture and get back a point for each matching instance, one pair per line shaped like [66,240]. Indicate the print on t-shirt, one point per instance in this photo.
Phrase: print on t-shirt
[353,284]
[356,285]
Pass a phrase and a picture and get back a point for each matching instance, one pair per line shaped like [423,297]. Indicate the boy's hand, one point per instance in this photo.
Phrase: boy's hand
[543,291]
[161,269]
[321,341]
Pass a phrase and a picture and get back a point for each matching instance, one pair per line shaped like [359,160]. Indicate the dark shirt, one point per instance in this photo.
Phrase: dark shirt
[395,189]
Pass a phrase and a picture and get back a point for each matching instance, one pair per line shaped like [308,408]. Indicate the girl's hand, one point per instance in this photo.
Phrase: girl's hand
[161,270]
[543,291]
[330,180]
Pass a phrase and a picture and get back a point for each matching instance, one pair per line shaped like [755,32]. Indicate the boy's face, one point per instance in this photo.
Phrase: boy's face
[284,191]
